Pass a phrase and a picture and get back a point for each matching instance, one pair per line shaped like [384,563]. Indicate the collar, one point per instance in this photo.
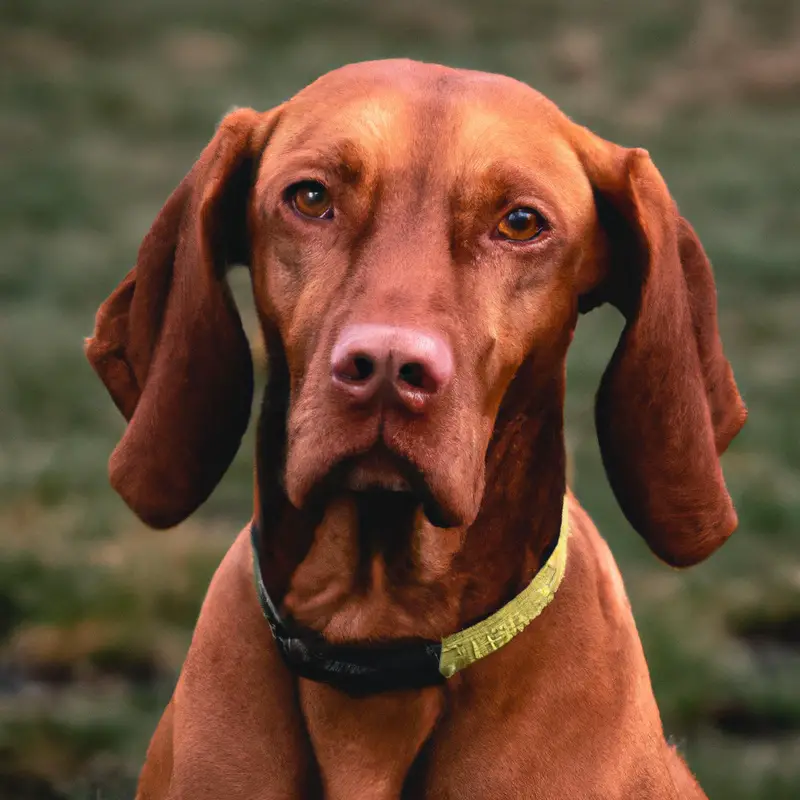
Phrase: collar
[362,670]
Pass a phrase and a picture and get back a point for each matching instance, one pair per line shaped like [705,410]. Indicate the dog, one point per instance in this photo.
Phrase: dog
[419,608]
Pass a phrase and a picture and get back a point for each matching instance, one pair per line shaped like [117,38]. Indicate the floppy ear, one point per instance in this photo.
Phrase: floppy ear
[168,342]
[667,406]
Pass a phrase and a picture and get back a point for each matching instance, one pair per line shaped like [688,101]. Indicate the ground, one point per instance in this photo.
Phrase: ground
[106,105]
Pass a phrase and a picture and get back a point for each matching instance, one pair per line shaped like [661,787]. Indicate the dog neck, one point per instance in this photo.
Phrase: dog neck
[353,574]
[520,517]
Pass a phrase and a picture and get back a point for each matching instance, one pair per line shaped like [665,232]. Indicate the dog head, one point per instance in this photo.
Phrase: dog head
[416,237]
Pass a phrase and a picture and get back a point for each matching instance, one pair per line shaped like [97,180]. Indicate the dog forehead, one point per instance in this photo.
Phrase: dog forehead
[415,78]
[404,111]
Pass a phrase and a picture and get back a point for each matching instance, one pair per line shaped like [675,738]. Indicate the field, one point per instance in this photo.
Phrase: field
[106,104]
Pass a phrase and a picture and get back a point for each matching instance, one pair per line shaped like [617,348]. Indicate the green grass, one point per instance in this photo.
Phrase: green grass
[105,106]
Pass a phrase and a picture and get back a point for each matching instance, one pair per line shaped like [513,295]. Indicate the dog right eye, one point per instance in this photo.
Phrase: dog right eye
[521,225]
[310,199]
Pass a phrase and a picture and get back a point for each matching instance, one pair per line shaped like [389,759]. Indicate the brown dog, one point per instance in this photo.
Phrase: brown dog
[421,241]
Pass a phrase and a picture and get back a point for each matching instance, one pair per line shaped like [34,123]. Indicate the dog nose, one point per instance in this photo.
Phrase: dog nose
[416,365]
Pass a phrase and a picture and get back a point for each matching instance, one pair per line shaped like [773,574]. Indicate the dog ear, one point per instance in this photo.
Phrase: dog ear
[168,342]
[667,406]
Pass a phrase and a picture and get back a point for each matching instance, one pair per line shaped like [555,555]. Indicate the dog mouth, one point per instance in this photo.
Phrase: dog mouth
[382,473]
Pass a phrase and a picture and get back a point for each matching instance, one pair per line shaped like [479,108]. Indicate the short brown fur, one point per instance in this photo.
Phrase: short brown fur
[421,162]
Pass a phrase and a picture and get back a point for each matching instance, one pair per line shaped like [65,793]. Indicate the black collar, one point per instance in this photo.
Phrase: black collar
[351,669]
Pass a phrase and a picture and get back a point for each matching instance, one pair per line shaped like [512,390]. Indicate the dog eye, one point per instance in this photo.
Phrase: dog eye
[311,199]
[521,225]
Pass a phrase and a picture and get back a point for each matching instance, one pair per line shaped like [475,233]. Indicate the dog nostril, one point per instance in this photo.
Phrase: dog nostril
[357,369]
[363,368]
[414,374]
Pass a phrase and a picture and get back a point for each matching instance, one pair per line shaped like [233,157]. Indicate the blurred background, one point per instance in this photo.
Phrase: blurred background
[104,106]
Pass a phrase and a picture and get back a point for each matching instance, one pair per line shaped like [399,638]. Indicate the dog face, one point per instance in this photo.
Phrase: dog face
[416,236]
[415,239]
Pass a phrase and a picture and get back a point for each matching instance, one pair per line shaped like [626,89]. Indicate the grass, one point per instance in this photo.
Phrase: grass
[105,106]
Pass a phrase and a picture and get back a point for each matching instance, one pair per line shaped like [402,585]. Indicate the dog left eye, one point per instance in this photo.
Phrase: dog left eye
[521,225]
[311,199]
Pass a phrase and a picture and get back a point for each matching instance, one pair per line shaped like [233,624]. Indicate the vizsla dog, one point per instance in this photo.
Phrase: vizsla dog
[419,608]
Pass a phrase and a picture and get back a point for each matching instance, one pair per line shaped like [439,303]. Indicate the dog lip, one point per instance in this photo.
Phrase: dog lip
[403,475]
[377,469]
[381,468]
[360,480]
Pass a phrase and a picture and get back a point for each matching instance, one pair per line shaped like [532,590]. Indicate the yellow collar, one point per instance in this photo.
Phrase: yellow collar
[479,640]
[363,671]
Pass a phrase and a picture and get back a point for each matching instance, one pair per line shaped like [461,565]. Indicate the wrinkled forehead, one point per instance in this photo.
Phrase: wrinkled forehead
[459,123]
